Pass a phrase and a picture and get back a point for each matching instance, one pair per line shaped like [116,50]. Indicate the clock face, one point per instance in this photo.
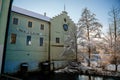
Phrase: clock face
[65,27]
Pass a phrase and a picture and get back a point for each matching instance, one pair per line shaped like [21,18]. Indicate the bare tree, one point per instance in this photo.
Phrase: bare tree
[70,43]
[91,27]
[106,48]
[115,21]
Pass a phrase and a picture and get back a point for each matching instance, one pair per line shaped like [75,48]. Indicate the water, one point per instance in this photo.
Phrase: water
[84,77]
[69,77]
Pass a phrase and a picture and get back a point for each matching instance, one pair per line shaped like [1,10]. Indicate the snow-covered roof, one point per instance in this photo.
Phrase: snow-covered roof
[30,13]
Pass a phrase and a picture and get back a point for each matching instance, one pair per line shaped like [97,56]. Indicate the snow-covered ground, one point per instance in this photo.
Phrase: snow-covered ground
[75,67]
[111,67]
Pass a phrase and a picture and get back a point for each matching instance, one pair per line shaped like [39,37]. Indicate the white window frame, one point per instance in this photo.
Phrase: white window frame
[28,42]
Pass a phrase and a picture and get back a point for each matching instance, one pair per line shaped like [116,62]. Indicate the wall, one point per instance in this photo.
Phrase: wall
[19,53]
[58,31]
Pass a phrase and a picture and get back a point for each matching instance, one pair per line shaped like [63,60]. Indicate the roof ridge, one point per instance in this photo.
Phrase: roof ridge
[30,13]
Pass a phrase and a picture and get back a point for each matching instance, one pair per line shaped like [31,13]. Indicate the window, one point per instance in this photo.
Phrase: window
[15,21]
[29,24]
[41,41]
[28,41]
[65,19]
[42,27]
[13,38]
[57,40]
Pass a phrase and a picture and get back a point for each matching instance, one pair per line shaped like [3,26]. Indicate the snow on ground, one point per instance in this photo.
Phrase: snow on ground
[75,67]
[111,67]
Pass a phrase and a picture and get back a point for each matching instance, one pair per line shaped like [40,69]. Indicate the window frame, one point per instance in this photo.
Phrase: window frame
[57,40]
[15,21]
[30,24]
[13,38]
[41,42]
[28,40]
[42,27]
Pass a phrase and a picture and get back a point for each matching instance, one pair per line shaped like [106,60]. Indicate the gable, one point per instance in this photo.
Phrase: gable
[60,20]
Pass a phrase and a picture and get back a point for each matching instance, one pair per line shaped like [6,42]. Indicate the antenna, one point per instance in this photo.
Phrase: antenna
[64,7]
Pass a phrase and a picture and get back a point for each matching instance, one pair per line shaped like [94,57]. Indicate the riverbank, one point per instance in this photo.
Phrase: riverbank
[59,76]
[72,69]
[76,68]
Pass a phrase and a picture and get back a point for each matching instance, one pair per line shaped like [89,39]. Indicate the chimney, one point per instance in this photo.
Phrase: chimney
[44,13]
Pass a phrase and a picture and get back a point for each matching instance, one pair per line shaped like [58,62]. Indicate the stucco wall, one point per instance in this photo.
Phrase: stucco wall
[58,31]
[34,54]
[20,52]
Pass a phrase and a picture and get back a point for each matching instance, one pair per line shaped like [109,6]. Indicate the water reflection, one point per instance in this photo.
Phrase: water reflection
[80,77]
[68,77]
[84,77]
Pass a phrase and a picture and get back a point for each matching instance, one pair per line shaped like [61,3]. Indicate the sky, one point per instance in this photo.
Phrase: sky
[73,7]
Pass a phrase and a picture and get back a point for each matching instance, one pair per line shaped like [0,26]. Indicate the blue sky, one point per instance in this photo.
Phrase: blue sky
[73,7]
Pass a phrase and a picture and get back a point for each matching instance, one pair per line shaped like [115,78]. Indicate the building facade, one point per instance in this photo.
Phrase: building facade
[34,38]
[61,27]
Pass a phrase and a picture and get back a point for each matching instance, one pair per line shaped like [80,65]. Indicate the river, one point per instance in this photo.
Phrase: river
[69,77]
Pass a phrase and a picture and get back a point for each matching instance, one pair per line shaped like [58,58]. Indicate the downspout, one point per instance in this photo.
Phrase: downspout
[49,43]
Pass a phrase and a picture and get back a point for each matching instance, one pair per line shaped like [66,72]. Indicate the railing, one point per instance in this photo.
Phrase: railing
[7,77]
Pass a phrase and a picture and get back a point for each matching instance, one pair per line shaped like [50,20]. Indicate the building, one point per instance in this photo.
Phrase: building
[61,27]
[5,6]
[34,38]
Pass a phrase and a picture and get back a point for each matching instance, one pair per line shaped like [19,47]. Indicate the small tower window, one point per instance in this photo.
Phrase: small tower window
[65,19]
[57,40]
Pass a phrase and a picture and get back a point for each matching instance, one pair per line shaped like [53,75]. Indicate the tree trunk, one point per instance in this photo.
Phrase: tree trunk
[76,48]
[89,77]
[110,33]
[89,50]
[115,29]
[89,57]
[116,67]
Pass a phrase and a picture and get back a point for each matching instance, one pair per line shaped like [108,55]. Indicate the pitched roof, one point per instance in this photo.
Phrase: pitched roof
[30,13]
